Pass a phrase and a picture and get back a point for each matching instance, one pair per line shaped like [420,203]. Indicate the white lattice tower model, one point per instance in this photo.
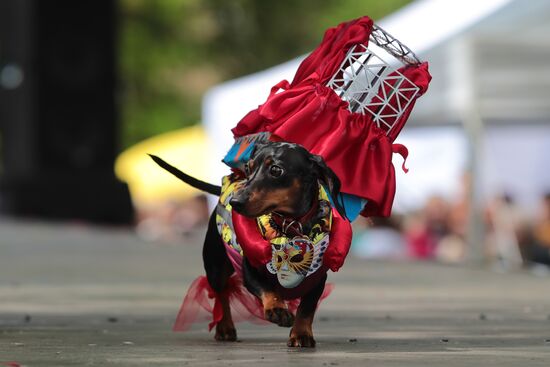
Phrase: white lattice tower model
[371,85]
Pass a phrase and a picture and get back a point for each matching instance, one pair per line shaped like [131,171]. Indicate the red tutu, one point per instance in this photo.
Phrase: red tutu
[201,303]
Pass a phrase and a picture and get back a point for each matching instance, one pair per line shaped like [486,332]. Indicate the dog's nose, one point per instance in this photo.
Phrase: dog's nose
[237,204]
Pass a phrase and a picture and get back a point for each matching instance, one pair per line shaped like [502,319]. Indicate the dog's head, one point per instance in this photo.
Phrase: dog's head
[283,177]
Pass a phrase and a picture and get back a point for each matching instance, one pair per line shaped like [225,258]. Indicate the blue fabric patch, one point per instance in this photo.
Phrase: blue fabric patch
[353,205]
[235,160]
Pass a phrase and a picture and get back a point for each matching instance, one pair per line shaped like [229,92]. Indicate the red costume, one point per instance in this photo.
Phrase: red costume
[310,113]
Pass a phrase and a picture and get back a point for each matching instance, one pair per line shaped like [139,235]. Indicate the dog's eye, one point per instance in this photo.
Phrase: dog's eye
[275,171]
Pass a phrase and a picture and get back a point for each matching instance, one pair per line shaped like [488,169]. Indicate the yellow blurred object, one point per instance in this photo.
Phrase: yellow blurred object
[149,184]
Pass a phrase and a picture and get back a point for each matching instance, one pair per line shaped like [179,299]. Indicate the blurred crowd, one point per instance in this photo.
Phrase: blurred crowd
[510,238]
[172,220]
[440,230]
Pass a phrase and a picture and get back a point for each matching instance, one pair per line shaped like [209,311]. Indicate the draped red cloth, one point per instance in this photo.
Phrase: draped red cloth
[309,113]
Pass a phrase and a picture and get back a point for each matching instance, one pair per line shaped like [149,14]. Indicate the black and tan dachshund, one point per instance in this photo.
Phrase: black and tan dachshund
[283,178]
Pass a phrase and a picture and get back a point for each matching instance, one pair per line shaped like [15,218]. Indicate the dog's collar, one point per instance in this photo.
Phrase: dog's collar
[294,226]
[287,226]
[319,215]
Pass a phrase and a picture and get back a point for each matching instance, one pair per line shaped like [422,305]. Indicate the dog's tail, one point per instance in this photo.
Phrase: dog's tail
[192,181]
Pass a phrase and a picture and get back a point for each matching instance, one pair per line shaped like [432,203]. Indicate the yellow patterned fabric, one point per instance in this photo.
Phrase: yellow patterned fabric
[223,213]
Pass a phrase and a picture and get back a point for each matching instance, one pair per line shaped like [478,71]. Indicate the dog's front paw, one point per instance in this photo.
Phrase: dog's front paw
[225,332]
[279,316]
[300,341]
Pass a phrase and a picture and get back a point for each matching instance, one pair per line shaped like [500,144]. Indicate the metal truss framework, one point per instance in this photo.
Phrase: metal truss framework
[371,86]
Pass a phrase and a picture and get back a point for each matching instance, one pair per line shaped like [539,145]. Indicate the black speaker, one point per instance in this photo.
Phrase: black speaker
[58,116]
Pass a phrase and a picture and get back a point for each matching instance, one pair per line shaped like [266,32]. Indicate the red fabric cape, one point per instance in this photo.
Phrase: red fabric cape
[309,113]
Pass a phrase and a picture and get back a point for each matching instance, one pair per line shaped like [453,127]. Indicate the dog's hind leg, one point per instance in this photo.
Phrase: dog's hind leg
[301,334]
[218,270]
[275,309]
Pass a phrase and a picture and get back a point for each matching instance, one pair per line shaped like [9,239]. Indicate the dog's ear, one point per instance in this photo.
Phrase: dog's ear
[330,180]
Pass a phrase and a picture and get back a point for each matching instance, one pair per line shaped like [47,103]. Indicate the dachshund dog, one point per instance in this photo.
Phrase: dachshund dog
[281,178]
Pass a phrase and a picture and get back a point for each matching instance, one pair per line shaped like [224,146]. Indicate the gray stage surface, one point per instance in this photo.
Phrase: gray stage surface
[75,295]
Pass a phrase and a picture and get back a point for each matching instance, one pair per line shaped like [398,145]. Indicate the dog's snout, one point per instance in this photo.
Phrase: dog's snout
[237,204]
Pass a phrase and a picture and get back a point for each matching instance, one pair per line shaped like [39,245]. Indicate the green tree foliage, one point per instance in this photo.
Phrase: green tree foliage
[172,51]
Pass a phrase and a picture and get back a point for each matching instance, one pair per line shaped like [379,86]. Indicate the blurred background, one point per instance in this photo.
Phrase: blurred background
[88,88]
